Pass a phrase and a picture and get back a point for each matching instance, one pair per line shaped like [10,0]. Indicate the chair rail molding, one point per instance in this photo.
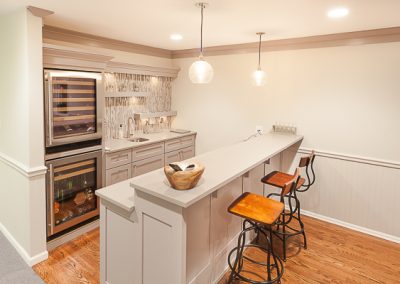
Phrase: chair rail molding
[21,168]
[352,158]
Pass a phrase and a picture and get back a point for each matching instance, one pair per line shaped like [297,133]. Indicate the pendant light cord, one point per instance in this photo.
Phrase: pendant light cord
[201,30]
[259,52]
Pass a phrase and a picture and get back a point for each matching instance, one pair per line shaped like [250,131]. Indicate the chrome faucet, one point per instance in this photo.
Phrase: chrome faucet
[130,123]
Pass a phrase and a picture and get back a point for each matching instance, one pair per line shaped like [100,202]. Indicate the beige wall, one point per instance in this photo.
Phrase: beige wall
[22,181]
[342,99]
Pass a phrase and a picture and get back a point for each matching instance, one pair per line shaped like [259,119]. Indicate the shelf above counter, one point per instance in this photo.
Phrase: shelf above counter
[126,94]
[142,115]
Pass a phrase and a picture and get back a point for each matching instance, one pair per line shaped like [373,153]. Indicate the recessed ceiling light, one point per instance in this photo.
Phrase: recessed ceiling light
[176,37]
[338,12]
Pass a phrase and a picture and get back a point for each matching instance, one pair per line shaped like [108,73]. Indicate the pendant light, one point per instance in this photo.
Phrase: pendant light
[201,72]
[259,75]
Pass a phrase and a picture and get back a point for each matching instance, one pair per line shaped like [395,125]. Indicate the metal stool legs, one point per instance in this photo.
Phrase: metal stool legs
[237,267]
[284,222]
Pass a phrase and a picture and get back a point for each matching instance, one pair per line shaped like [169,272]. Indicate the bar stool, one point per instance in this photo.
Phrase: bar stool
[260,214]
[278,179]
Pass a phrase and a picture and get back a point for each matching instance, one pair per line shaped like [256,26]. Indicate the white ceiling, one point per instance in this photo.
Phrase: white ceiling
[151,22]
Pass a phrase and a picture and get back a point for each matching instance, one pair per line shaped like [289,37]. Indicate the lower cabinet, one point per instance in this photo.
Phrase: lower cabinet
[179,155]
[147,165]
[129,163]
[119,249]
[118,174]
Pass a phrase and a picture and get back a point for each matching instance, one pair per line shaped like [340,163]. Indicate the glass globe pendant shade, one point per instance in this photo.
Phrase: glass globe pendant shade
[259,77]
[201,72]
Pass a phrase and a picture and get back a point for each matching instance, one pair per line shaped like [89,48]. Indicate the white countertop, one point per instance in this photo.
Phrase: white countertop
[221,166]
[114,145]
[119,194]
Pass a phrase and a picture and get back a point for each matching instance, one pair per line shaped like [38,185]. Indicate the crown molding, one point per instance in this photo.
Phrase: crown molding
[384,35]
[120,67]
[57,57]
[59,34]
[319,41]
[39,12]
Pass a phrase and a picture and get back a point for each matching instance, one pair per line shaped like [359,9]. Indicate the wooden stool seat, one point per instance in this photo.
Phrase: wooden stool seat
[257,208]
[279,179]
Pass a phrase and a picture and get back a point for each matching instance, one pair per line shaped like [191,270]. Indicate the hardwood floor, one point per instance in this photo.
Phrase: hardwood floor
[77,261]
[334,255]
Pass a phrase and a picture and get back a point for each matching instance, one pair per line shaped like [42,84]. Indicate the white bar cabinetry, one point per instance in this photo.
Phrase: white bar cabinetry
[125,164]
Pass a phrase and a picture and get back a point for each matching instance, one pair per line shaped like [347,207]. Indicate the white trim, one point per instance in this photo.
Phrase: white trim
[21,168]
[352,226]
[113,66]
[353,158]
[30,260]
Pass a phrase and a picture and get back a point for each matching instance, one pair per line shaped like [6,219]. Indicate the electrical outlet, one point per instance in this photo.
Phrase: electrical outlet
[259,129]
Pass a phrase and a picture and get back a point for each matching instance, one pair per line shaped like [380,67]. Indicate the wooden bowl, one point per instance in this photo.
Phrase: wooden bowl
[183,180]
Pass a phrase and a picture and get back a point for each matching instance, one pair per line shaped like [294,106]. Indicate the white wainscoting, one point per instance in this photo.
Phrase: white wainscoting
[355,192]
[19,185]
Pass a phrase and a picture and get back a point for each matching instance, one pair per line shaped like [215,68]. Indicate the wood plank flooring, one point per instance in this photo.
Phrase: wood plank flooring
[334,255]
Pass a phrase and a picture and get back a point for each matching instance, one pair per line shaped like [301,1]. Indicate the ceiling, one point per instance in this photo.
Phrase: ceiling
[151,22]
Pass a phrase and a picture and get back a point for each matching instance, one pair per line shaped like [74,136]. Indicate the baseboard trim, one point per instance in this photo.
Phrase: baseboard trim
[352,226]
[21,168]
[30,260]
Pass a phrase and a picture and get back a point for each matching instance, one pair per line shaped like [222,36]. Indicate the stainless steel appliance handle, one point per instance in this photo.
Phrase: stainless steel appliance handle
[50,110]
[51,197]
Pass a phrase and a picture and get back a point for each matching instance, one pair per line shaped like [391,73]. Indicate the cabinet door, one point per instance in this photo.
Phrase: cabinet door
[118,159]
[172,157]
[147,151]
[252,180]
[121,257]
[147,165]
[187,153]
[118,174]
[224,226]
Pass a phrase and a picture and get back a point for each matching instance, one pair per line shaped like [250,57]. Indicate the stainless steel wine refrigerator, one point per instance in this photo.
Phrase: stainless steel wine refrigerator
[73,120]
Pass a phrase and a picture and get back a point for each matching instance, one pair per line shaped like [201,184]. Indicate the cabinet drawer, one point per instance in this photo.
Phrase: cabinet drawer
[118,174]
[147,165]
[187,153]
[118,159]
[171,157]
[179,143]
[147,151]
[179,155]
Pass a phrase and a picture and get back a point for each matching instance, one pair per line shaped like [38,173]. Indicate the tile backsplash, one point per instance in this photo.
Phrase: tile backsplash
[119,109]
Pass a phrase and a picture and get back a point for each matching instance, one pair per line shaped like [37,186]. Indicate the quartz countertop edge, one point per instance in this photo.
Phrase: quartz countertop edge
[221,167]
[119,194]
[115,145]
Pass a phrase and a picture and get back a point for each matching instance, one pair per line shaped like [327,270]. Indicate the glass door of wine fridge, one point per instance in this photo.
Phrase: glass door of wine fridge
[73,110]
[71,186]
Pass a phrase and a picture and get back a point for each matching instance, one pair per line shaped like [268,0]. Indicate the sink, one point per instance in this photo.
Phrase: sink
[138,139]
